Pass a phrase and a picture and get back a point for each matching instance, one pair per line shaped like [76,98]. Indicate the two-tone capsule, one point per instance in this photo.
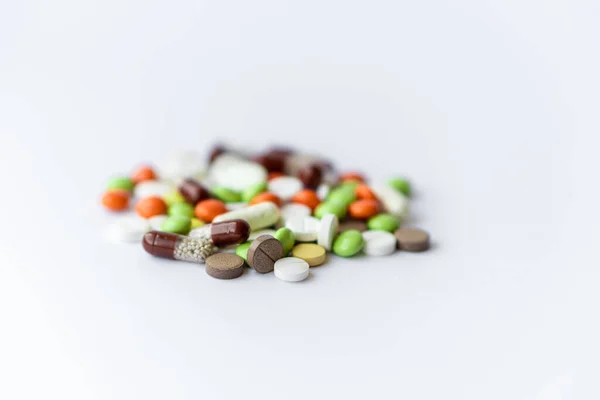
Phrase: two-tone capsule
[196,249]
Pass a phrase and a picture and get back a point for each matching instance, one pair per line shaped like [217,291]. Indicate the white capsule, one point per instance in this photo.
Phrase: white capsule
[258,216]
[291,269]
[393,201]
[306,229]
[379,243]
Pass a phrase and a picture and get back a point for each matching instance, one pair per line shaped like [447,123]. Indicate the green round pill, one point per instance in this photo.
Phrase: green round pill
[401,185]
[184,209]
[242,250]
[348,243]
[383,222]
[338,208]
[177,224]
[287,239]
[120,182]
[251,191]
[225,195]
[173,197]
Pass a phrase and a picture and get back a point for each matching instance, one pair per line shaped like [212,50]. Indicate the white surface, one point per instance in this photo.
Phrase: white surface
[491,108]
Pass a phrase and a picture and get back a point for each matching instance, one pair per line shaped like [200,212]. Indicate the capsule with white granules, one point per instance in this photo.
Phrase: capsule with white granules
[196,249]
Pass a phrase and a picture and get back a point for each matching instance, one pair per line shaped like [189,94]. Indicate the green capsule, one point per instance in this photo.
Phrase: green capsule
[383,222]
[251,191]
[242,250]
[173,197]
[401,185]
[120,182]
[338,208]
[287,239]
[225,195]
[184,209]
[177,224]
[348,243]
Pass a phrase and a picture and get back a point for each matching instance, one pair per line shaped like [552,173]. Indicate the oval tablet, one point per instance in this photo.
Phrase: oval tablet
[291,269]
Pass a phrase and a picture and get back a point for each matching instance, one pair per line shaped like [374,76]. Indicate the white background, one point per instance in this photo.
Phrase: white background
[490,107]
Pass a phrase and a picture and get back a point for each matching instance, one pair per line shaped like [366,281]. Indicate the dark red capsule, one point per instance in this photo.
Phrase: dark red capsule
[192,191]
[311,176]
[217,150]
[226,233]
[160,244]
[273,162]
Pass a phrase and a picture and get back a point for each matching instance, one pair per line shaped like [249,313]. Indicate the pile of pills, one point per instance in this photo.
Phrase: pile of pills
[279,211]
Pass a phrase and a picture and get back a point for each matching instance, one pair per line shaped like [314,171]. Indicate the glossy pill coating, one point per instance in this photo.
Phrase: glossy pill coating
[120,182]
[116,199]
[287,239]
[173,197]
[364,192]
[342,194]
[253,190]
[383,222]
[208,210]
[150,206]
[160,244]
[177,224]
[142,174]
[264,197]
[183,209]
[272,162]
[242,250]
[401,185]
[331,207]
[363,209]
[226,233]
[307,197]
[311,176]
[225,195]
[192,191]
[348,243]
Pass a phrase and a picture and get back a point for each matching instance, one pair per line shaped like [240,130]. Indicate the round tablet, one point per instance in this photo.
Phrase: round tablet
[312,253]
[412,239]
[263,252]
[128,229]
[285,187]
[291,269]
[306,229]
[225,266]
[379,243]
[352,225]
[328,230]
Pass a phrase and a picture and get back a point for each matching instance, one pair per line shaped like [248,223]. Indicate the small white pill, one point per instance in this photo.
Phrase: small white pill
[261,232]
[393,201]
[157,221]
[152,188]
[258,216]
[328,230]
[285,187]
[379,243]
[306,229]
[128,229]
[291,269]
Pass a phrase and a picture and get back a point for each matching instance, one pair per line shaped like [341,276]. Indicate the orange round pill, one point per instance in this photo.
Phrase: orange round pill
[363,209]
[307,197]
[116,199]
[274,174]
[364,192]
[266,196]
[151,206]
[142,174]
[352,176]
[208,209]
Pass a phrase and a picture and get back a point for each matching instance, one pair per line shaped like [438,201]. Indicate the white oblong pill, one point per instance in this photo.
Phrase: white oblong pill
[379,243]
[291,269]
[260,232]
[328,230]
[393,201]
[128,229]
[258,216]
[285,187]
[306,229]
[152,188]
[157,221]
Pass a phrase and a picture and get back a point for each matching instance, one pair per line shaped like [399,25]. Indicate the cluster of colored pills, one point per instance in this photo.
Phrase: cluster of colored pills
[279,211]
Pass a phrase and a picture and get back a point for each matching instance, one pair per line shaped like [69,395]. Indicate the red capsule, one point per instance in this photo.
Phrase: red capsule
[160,244]
[273,161]
[192,191]
[230,232]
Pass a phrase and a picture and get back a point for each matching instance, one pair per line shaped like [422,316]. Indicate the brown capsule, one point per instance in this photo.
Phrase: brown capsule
[229,232]
[311,175]
[192,191]
[160,244]
[273,162]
